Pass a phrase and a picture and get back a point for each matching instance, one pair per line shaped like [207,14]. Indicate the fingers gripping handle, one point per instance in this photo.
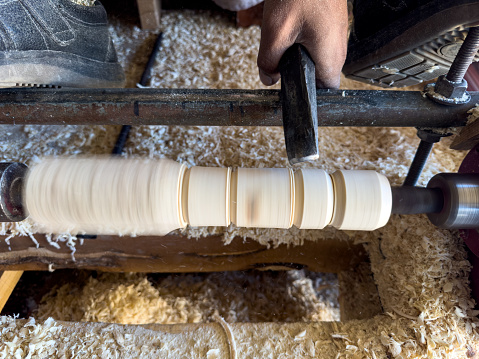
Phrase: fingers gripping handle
[298,98]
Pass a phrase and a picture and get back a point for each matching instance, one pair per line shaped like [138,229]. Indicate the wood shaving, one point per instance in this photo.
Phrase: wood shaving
[246,297]
[473,114]
[229,335]
[84,2]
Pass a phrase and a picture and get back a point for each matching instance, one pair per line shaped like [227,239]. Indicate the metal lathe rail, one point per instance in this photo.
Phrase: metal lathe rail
[221,108]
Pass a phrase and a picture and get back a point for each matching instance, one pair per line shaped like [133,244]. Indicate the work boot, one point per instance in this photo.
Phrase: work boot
[56,43]
[397,43]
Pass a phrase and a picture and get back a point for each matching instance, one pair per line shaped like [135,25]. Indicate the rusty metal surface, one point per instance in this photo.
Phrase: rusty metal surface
[220,108]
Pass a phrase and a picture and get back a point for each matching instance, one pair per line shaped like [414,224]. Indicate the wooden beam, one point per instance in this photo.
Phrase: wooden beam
[468,137]
[150,11]
[175,253]
[8,281]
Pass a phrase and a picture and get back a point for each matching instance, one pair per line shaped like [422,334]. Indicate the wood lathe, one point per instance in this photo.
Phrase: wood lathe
[109,196]
[136,197]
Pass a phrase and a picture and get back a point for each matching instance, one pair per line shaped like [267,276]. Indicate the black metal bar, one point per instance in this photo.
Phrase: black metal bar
[220,108]
[416,200]
[146,76]
[418,163]
[121,140]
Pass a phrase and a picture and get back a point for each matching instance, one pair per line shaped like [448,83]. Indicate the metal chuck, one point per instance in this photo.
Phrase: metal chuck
[451,200]
[461,200]
[12,176]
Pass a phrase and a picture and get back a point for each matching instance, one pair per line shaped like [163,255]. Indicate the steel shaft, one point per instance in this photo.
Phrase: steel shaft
[221,108]
[416,200]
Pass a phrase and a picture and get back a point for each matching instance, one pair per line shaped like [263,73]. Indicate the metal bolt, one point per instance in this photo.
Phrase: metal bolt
[452,88]
[465,56]
[449,89]
[428,139]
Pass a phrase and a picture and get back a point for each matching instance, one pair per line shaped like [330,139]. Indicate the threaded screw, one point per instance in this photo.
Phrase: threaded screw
[465,56]
[418,163]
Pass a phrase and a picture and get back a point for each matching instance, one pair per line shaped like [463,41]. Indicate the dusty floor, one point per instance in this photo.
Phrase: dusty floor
[420,271]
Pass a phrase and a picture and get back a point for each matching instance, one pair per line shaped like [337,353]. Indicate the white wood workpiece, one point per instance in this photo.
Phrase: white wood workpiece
[146,197]
[264,197]
[106,196]
[314,199]
[208,196]
[363,200]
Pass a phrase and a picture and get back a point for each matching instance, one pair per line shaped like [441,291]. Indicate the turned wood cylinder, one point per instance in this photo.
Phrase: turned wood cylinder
[146,197]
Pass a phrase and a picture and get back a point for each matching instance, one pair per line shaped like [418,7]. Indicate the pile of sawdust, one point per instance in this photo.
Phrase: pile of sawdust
[194,298]
[421,272]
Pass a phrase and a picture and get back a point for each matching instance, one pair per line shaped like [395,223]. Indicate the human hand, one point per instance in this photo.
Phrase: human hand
[319,25]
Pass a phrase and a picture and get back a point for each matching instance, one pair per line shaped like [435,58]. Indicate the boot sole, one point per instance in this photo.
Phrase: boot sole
[57,69]
[418,54]
[424,63]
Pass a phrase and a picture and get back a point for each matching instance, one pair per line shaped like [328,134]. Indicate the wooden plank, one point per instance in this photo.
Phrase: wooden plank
[175,253]
[149,11]
[8,281]
[468,137]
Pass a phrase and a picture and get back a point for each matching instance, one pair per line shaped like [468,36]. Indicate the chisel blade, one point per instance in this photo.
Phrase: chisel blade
[298,98]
